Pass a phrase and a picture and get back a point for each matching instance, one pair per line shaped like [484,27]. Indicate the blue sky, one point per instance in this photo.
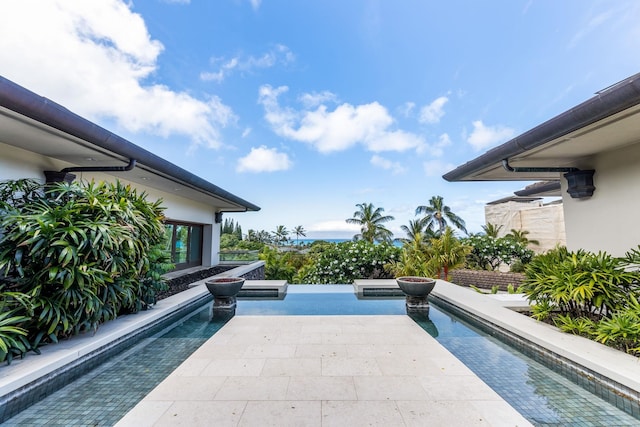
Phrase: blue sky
[307,108]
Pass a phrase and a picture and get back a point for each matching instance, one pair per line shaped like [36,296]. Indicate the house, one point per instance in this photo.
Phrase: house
[592,153]
[42,140]
[543,220]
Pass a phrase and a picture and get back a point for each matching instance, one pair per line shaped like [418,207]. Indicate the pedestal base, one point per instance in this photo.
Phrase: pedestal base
[417,304]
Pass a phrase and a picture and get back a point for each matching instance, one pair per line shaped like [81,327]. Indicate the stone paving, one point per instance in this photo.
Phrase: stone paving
[322,371]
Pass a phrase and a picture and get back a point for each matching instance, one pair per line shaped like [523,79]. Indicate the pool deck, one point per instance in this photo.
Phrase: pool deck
[363,374]
[322,371]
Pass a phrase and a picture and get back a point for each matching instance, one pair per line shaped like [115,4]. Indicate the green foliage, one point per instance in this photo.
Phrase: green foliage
[580,284]
[228,241]
[511,289]
[371,222]
[279,265]
[347,261]
[232,228]
[489,253]
[492,230]
[414,260]
[621,330]
[579,326]
[437,214]
[447,252]
[593,295]
[79,253]
[13,336]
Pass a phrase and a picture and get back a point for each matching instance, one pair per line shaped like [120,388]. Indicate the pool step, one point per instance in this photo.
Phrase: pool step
[264,289]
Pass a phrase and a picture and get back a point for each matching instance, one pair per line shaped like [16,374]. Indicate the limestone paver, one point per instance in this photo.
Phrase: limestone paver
[322,371]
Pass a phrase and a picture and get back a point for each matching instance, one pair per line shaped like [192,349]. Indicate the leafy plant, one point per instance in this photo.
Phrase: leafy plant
[344,262]
[580,284]
[579,326]
[82,253]
[414,260]
[488,253]
[13,337]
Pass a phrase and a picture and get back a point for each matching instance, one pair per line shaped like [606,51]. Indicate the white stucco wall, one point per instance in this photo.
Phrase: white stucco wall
[545,223]
[610,219]
[16,163]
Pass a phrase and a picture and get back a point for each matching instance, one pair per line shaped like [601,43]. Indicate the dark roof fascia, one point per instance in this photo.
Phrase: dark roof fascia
[514,199]
[539,188]
[41,109]
[607,102]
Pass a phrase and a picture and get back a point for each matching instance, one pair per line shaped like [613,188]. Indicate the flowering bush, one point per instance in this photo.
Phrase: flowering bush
[347,261]
[489,252]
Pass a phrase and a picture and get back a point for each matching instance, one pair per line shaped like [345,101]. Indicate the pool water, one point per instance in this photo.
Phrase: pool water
[106,394]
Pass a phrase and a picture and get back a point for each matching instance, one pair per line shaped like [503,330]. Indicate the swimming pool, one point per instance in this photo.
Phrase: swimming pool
[104,395]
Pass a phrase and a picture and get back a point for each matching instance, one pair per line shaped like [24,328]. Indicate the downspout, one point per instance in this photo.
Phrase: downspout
[579,182]
[509,168]
[130,166]
[66,175]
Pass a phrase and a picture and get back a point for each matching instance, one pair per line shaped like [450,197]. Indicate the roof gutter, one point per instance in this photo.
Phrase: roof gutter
[36,107]
[610,101]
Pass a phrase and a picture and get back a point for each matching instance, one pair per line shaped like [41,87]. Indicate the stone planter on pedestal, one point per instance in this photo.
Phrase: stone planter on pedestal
[224,291]
[417,290]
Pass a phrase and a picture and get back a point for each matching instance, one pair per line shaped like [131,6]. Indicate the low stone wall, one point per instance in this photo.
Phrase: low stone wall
[485,279]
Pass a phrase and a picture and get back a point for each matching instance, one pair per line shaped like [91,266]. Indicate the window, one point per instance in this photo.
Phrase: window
[185,244]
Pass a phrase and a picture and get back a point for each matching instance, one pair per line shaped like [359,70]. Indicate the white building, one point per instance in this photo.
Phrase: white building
[543,221]
[38,135]
[593,152]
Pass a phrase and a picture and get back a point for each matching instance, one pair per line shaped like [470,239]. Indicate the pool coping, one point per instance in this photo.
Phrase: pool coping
[610,363]
[502,311]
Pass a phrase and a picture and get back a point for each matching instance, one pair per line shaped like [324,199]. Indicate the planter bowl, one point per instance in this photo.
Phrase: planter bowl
[225,287]
[414,286]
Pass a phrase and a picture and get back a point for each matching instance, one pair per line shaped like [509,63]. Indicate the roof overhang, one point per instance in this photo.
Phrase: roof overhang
[608,121]
[541,189]
[36,124]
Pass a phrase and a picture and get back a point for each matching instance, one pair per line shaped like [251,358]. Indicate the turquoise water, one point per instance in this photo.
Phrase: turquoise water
[295,241]
[545,398]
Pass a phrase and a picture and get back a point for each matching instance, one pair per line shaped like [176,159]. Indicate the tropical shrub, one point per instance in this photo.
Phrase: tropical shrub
[488,253]
[347,261]
[281,265]
[592,295]
[414,260]
[579,283]
[79,253]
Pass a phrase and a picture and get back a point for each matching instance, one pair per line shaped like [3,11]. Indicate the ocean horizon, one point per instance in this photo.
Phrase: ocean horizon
[293,242]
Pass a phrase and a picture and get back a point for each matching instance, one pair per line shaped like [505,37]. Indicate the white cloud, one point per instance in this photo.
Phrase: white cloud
[255,4]
[406,109]
[263,159]
[395,167]
[310,100]
[336,130]
[487,136]
[437,149]
[437,167]
[98,58]
[334,225]
[279,54]
[246,132]
[433,112]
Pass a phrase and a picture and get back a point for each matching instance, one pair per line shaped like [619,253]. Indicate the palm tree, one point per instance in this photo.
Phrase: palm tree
[437,213]
[447,252]
[492,230]
[299,231]
[371,220]
[417,231]
[281,234]
[520,236]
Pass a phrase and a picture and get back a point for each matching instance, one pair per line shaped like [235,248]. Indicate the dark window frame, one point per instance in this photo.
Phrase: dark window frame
[173,240]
